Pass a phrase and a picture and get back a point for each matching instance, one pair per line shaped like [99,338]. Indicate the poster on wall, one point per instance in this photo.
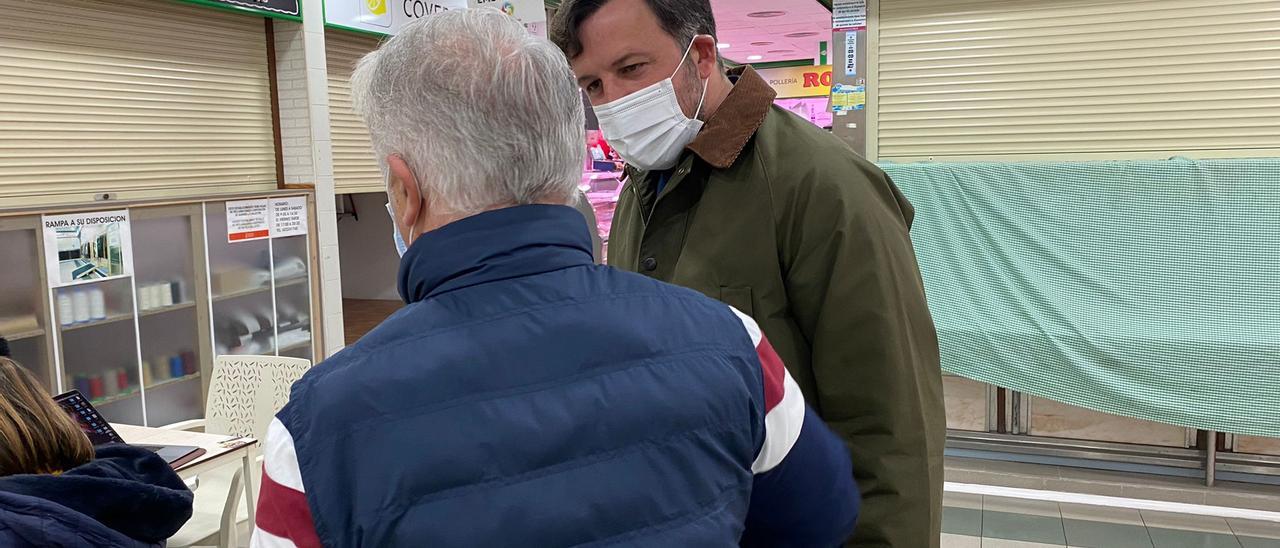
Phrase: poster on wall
[845,98]
[383,16]
[848,14]
[87,247]
[248,220]
[288,216]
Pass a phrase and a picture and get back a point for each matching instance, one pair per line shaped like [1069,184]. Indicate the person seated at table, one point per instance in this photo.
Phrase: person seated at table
[58,490]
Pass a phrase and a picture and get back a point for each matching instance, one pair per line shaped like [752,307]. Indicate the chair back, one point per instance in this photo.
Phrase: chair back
[246,392]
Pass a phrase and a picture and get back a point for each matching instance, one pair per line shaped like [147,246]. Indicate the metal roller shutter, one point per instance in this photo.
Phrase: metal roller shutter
[355,169]
[1035,79]
[137,98]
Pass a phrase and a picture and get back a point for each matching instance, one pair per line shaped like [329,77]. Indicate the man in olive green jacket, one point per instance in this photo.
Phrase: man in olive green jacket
[778,218]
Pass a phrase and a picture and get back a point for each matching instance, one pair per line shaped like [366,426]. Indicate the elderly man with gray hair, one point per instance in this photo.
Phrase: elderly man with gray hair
[525,396]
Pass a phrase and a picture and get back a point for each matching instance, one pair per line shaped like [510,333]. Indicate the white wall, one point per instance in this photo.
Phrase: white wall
[369,261]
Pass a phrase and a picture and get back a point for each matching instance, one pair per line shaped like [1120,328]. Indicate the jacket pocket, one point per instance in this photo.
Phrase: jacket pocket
[737,297]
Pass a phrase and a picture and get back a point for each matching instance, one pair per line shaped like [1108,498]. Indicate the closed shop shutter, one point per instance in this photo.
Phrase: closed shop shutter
[137,98]
[355,169]
[1035,79]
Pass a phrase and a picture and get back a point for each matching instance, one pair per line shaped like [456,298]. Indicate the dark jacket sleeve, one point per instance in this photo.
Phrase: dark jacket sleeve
[805,501]
[857,296]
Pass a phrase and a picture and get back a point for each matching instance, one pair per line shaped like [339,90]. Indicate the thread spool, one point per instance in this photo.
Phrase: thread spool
[175,366]
[110,384]
[175,288]
[189,366]
[97,304]
[80,305]
[159,369]
[95,387]
[82,384]
[145,300]
[66,311]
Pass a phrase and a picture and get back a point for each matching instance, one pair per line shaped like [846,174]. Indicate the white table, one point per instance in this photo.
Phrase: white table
[219,451]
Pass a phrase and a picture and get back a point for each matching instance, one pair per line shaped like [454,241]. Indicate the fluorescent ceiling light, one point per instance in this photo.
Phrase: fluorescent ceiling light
[755,57]
[722,45]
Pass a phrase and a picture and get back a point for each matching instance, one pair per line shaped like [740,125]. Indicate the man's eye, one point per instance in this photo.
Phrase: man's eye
[630,68]
[593,87]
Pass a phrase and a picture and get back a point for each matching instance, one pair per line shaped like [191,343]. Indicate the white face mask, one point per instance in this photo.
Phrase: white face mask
[648,128]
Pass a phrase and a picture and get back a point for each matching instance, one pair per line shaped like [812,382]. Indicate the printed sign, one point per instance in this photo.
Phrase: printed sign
[812,81]
[248,220]
[269,7]
[846,98]
[383,16]
[288,216]
[851,54]
[87,247]
[848,14]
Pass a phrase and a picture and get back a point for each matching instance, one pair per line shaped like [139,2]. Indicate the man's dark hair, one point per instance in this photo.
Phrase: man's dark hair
[681,19]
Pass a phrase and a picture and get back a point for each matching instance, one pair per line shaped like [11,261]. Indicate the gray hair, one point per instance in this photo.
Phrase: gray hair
[486,114]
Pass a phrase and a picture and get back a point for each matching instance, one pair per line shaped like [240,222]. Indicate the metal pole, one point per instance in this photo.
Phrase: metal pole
[1211,463]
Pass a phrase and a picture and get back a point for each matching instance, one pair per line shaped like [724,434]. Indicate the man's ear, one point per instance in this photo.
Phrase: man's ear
[402,187]
[704,50]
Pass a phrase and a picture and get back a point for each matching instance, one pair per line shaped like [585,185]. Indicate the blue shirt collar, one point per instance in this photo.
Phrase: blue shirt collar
[495,245]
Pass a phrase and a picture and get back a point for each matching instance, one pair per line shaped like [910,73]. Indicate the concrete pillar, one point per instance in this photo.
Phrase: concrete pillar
[303,76]
[850,126]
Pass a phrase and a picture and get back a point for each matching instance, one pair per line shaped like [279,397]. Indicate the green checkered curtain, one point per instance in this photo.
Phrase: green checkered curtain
[1149,289]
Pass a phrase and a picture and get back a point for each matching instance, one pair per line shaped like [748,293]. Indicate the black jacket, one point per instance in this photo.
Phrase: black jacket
[125,497]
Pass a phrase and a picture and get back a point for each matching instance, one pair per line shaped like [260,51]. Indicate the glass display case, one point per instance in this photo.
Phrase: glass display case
[292,266]
[241,287]
[174,355]
[23,300]
[98,340]
[261,291]
[134,316]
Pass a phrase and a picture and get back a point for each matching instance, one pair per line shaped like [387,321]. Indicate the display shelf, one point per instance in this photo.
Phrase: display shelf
[164,309]
[93,323]
[123,395]
[295,346]
[290,282]
[30,333]
[257,290]
[174,380]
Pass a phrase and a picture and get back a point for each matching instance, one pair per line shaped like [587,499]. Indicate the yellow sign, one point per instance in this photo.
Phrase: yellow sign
[810,81]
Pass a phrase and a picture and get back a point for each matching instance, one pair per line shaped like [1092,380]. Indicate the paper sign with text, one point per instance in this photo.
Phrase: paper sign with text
[288,216]
[848,14]
[248,220]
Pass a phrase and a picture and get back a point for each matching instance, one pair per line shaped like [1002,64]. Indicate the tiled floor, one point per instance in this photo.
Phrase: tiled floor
[976,521]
